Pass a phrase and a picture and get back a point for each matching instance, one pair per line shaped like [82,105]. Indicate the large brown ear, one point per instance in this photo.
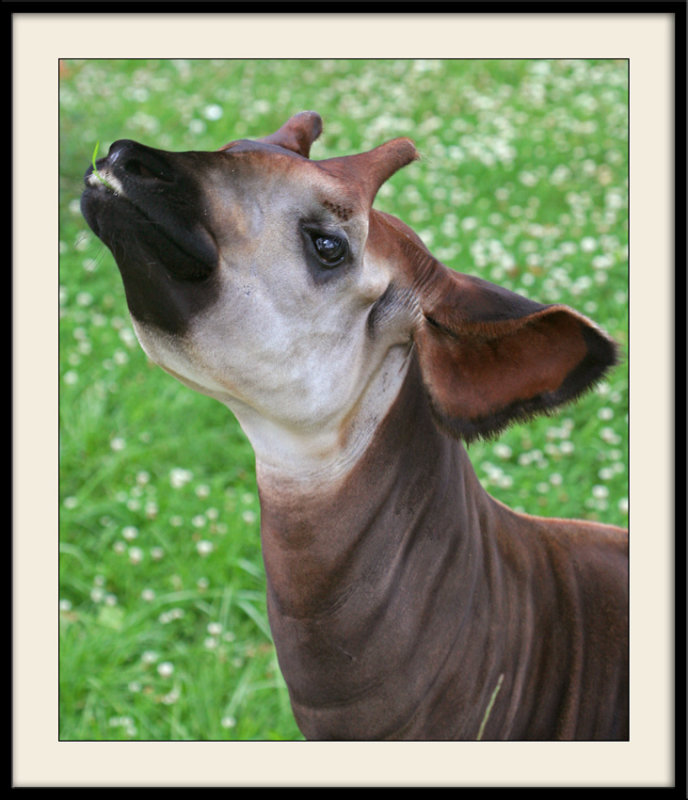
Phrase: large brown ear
[490,357]
[298,133]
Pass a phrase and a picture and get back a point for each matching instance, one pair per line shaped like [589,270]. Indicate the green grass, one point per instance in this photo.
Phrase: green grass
[522,181]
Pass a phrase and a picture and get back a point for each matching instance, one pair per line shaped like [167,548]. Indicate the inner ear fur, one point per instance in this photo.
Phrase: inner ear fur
[490,357]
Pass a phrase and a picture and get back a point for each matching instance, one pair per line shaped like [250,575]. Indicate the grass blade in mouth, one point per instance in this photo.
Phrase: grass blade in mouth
[97,174]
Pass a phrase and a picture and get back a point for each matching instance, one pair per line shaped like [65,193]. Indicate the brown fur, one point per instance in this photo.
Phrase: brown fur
[405,603]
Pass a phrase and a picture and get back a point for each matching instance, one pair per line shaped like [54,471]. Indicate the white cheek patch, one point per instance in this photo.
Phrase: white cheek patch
[175,357]
[308,405]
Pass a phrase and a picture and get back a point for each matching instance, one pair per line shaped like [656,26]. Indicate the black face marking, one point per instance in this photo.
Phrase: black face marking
[341,211]
[165,254]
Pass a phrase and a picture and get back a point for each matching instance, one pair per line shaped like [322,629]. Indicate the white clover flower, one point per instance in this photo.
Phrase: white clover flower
[204,547]
[602,262]
[560,174]
[180,477]
[212,112]
[128,337]
[169,616]
[610,436]
[502,450]
[165,669]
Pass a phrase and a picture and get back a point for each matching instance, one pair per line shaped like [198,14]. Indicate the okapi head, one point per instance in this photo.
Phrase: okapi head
[267,280]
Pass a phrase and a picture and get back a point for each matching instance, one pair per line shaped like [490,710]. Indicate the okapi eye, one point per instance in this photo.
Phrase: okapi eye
[331,249]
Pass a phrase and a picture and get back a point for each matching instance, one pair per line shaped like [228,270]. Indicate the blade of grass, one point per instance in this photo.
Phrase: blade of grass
[488,710]
[95,169]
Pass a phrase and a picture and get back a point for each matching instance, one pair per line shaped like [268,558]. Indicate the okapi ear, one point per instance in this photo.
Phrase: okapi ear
[490,357]
[298,133]
[368,171]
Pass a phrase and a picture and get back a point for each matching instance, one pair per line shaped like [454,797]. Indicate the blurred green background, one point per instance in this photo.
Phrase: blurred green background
[523,181]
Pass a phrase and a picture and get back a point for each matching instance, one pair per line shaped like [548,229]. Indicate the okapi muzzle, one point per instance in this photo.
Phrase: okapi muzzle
[404,602]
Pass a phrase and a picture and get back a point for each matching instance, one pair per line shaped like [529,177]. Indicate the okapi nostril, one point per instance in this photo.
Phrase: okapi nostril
[129,158]
[135,167]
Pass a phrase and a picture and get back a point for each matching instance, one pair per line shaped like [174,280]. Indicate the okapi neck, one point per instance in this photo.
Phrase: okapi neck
[359,580]
[413,482]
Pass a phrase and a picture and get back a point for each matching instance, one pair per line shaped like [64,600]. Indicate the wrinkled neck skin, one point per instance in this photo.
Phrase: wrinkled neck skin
[361,572]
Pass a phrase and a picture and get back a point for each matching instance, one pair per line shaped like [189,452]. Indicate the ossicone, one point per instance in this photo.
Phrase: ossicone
[368,171]
[298,133]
